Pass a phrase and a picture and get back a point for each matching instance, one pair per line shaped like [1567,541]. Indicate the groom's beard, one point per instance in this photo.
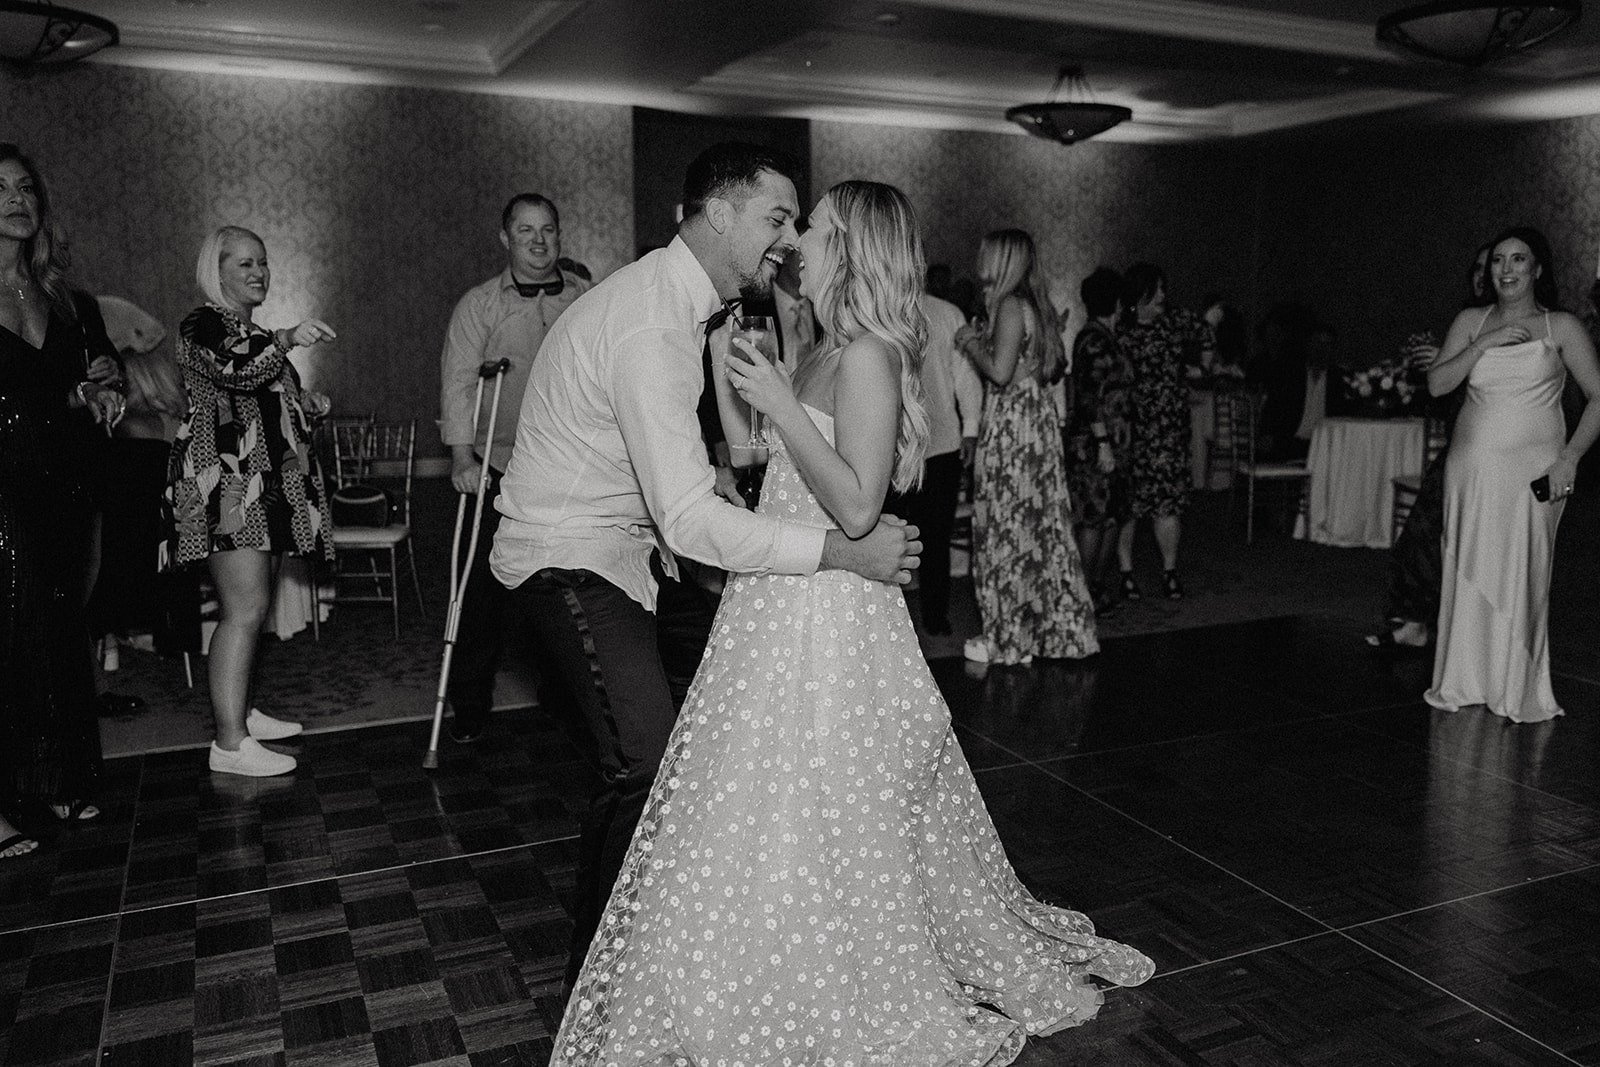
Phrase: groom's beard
[758,289]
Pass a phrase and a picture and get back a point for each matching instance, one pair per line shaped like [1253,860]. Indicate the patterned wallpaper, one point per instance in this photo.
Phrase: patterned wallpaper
[379,206]
[1375,227]
[1189,208]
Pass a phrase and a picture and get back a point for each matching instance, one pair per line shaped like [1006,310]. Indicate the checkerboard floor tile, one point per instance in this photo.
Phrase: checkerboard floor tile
[1324,874]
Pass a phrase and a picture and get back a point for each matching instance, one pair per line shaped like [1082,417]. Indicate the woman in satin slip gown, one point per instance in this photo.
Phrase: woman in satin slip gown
[1499,539]
[815,878]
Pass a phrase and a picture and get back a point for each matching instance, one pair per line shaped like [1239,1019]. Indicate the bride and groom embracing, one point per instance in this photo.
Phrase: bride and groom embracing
[799,867]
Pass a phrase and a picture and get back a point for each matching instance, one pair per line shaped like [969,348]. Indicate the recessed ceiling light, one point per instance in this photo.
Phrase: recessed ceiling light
[886,18]
[432,27]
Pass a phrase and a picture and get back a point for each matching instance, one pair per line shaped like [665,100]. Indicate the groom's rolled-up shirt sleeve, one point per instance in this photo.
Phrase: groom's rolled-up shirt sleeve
[657,384]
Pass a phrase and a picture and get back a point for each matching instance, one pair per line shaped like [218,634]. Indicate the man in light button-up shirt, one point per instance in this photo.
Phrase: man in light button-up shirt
[609,477]
[506,317]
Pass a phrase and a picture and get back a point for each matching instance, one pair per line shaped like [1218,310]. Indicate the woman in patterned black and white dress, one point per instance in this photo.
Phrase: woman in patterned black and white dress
[815,879]
[243,483]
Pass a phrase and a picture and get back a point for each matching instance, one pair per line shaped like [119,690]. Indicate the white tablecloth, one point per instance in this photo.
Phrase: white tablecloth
[1353,464]
[293,600]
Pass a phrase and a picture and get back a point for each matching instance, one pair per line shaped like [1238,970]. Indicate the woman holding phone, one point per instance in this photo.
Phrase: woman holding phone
[1506,482]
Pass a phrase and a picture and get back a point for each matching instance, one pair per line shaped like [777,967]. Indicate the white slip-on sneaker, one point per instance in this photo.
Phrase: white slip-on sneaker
[977,649]
[264,727]
[251,760]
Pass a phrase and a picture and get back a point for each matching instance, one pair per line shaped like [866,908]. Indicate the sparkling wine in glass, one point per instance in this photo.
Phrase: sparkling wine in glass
[759,332]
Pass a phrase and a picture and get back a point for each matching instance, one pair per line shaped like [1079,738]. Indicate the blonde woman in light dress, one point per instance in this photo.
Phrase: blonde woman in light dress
[815,878]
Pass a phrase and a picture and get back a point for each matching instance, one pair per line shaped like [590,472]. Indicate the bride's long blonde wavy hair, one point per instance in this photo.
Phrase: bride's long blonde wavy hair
[871,284]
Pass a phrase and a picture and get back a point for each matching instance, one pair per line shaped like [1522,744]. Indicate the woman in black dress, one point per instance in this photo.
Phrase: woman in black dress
[1155,338]
[50,338]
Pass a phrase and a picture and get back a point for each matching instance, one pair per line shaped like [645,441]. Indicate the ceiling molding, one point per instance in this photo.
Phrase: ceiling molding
[545,17]
[440,59]
[1191,20]
[1266,118]
[972,112]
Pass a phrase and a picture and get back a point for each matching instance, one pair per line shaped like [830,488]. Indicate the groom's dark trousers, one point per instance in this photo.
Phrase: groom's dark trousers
[615,676]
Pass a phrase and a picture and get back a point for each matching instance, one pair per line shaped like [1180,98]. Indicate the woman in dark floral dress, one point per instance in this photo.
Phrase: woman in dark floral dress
[1032,596]
[52,348]
[1155,339]
[1100,429]
[243,483]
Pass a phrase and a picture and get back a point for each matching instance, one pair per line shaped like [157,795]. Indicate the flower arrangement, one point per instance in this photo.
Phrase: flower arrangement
[1394,385]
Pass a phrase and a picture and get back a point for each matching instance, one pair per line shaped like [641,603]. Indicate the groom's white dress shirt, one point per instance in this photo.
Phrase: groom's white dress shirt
[609,462]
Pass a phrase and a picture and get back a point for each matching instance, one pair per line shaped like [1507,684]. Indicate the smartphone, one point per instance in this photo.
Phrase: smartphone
[1541,488]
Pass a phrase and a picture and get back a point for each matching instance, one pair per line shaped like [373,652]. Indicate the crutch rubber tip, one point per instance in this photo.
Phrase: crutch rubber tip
[430,760]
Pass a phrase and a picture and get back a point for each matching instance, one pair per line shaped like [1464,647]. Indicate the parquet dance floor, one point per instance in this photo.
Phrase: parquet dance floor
[1325,871]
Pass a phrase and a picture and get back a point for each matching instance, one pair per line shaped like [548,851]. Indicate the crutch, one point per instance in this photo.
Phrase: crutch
[495,369]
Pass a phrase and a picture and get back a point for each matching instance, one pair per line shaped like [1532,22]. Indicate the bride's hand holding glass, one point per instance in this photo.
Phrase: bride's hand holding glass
[760,382]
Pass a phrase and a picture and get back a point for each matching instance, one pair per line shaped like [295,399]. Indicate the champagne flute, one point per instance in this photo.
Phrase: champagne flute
[758,331]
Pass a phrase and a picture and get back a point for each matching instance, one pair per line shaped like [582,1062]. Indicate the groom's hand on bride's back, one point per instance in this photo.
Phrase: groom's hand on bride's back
[888,553]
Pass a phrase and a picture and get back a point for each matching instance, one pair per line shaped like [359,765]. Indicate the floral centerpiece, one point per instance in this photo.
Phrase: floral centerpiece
[1397,385]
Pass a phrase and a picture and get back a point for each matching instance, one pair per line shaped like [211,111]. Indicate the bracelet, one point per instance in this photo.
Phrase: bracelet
[79,390]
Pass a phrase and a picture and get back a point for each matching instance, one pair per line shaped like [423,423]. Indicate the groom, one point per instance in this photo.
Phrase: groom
[609,480]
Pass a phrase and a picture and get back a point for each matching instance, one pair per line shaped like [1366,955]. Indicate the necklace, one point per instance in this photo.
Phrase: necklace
[22,295]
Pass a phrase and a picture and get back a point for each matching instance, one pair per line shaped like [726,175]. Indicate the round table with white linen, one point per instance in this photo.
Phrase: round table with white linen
[1353,464]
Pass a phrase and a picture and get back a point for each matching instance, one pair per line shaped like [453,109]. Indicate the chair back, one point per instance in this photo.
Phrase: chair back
[346,436]
[391,445]
[1436,438]
[1223,430]
[1244,413]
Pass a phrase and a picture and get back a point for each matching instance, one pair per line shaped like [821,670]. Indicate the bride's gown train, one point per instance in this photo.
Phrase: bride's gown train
[815,879]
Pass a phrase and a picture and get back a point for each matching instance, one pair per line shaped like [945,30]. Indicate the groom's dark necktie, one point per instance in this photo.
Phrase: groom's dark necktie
[710,418]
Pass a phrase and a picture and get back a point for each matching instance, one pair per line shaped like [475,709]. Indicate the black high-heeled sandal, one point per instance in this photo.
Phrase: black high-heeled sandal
[1130,588]
[1174,587]
[77,811]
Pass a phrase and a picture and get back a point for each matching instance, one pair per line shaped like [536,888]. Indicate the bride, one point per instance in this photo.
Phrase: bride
[815,879]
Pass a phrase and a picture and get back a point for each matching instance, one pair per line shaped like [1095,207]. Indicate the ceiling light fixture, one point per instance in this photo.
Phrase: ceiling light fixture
[1077,118]
[40,33]
[1472,33]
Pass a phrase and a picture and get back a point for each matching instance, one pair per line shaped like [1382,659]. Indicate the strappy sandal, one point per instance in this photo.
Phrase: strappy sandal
[77,811]
[1173,586]
[1385,642]
[16,841]
[1130,588]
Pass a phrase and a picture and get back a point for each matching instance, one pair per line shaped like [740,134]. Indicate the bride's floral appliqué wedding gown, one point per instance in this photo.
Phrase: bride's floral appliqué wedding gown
[816,879]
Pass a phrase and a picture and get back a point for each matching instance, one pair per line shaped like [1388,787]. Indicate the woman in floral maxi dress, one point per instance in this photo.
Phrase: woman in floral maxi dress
[1033,599]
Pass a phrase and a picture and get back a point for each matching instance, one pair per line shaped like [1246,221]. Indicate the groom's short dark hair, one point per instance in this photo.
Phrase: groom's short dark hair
[729,170]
